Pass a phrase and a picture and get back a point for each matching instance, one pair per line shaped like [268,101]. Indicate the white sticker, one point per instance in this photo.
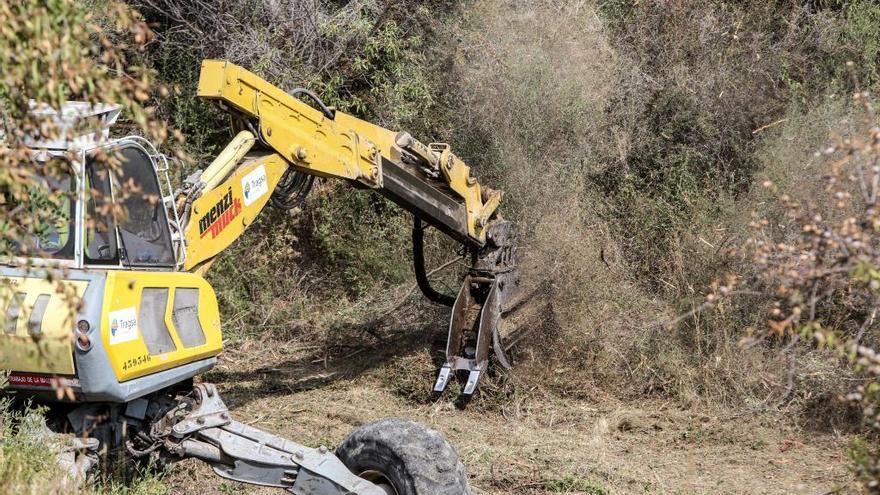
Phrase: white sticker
[254,185]
[123,325]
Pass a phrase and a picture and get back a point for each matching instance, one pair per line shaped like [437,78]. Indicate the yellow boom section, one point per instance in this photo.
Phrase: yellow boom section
[427,180]
[343,147]
[223,213]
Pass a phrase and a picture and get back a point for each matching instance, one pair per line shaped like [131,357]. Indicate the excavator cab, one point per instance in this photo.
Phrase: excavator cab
[143,324]
[142,239]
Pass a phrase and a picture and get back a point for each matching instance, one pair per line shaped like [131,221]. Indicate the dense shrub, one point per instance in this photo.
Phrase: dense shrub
[628,138]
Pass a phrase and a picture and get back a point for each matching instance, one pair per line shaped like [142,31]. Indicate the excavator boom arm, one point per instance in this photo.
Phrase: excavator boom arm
[429,181]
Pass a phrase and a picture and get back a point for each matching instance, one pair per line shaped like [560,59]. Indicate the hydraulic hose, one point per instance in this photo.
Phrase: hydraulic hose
[324,108]
[418,240]
[292,190]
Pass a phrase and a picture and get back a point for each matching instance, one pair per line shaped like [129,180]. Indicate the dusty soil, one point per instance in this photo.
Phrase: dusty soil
[596,446]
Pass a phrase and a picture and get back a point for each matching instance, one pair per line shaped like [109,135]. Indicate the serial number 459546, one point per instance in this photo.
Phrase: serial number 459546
[135,362]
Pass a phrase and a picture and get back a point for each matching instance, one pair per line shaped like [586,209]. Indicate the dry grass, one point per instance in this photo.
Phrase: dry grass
[539,444]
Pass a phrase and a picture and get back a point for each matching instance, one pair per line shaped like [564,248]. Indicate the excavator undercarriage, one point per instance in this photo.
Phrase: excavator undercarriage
[171,425]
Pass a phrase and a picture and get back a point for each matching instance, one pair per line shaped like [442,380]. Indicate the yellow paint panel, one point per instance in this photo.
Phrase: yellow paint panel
[47,348]
[128,353]
[221,215]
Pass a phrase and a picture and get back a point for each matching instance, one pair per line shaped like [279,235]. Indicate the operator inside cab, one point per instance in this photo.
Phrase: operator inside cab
[135,235]
[143,231]
[50,209]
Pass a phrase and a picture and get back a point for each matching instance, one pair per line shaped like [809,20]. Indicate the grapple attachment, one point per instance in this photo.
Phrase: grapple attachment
[486,294]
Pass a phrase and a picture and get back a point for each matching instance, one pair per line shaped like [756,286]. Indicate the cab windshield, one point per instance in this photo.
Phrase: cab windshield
[143,231]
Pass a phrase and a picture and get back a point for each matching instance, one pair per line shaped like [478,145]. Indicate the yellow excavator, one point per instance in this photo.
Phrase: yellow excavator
[149,322]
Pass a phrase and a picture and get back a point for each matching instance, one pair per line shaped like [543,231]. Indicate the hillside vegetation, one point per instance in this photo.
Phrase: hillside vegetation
[632,140]
[628,138]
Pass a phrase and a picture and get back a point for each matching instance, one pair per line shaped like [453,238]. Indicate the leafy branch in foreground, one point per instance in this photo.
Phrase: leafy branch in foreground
[823,282]
[52,52]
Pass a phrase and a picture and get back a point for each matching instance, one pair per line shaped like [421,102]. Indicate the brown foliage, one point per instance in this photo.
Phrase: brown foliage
[824,281]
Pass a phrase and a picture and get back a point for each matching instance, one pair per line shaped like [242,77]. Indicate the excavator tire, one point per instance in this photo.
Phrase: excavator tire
[404,458]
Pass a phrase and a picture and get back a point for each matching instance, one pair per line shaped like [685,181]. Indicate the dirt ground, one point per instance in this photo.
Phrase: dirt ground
[593,447]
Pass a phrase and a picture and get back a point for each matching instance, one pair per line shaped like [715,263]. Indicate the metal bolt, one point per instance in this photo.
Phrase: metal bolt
[298,455]
[179,428]
[200,421]
[224,415]
[322,449]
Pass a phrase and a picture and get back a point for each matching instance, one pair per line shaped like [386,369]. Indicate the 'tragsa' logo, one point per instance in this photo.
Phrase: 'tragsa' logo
[123,325]
[220,215]
[255,185]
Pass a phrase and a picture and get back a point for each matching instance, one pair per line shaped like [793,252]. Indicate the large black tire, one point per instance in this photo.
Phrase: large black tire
[404,458]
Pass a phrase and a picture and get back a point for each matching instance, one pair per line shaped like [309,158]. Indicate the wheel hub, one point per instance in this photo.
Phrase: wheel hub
[379,479]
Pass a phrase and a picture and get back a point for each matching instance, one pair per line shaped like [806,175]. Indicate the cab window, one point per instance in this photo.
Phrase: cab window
[143,230]
[100,244]
[50,208]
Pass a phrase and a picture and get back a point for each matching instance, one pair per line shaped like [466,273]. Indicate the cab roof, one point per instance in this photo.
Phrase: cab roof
[66,119]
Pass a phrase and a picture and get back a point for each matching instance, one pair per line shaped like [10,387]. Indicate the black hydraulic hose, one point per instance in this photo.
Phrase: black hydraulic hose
[291,190]
[418,240]
[324,108]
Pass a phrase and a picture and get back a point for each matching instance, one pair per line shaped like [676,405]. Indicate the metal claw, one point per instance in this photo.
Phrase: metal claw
[442,379]
[500,355]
